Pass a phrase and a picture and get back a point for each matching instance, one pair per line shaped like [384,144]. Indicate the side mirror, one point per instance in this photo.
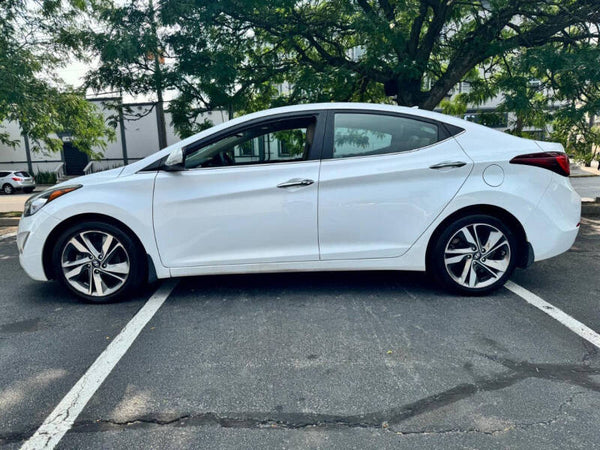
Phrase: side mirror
[175,161]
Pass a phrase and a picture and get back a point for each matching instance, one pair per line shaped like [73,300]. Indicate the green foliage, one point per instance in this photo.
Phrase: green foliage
[42,177]
[292,141]
[578,138]
[347,50]
[456,106]
[127,43]
[235,55]
[32,42]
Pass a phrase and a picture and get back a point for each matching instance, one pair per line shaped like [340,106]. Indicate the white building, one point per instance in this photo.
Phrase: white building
[136,137]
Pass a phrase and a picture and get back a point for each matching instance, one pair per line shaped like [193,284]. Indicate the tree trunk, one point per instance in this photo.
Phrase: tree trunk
[408,92]
[518,131]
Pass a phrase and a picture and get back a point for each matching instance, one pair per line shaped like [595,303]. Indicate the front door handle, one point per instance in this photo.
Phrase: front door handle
[448,164]
[295,182]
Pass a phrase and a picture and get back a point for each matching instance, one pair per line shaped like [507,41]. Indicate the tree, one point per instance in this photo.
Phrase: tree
[553,87]
[237,54]
[31,46]
[414,51]
[131,50]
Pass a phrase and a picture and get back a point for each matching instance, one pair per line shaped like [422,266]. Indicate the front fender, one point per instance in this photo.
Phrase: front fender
[135,210]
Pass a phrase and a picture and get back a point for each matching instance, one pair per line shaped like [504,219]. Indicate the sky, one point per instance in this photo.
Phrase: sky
[74,72]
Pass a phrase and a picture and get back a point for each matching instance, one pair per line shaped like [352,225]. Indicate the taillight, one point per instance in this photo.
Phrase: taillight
[17,179]
[557,162]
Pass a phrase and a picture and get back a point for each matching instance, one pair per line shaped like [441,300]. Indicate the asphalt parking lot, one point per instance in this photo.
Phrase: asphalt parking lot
[329,360]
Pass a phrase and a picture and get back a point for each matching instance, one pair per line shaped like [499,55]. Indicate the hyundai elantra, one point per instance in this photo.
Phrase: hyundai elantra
[321,187]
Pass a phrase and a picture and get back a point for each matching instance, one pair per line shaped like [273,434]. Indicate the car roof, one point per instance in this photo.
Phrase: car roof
[311,107]
[414,111]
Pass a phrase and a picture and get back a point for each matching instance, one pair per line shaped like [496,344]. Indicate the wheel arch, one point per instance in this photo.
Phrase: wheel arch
[525,251]
[86,217]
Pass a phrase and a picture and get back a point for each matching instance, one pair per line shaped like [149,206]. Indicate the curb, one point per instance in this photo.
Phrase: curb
[9,221]
[590,209]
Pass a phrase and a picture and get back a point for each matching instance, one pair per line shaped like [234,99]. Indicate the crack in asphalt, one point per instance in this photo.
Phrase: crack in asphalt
[590,352]
[517,371]
[578,375]
[513,426]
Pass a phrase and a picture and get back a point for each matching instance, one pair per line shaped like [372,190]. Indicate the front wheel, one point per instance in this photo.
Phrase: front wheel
[98,262]
[474,255]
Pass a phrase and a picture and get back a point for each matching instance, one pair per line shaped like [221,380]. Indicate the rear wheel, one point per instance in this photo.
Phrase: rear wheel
[98,262]
[8,189]
[474,255]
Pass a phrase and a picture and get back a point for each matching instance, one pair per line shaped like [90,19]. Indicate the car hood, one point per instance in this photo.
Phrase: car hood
[94,178]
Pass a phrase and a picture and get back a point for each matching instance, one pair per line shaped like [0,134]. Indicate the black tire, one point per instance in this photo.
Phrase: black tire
[28,190]
[8,189]
[443,250]
[135,255]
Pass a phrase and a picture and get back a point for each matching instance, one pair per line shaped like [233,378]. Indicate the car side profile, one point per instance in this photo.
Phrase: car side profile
[16,180]
[317,187]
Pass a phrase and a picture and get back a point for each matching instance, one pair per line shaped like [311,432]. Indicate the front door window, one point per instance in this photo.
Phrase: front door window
[279,141]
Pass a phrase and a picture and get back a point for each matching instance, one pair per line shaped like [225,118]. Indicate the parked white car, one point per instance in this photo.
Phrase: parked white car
[16,180]
[336,186]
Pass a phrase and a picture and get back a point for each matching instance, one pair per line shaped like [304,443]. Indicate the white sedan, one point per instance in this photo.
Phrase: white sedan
[336,186]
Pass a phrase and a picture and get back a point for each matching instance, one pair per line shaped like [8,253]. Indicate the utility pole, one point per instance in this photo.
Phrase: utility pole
[28,153]
[122,128]
[158,80]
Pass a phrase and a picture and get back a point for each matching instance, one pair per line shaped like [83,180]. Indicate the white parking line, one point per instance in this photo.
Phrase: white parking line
[574,325]
[64,415]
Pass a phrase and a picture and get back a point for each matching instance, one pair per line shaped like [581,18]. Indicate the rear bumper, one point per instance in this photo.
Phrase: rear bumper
[23,186]
[553,226]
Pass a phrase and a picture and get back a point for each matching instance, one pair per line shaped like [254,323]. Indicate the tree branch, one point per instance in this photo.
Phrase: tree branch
[415,30]
[482,43]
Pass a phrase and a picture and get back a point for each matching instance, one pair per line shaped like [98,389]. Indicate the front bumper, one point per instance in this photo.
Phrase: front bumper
[31,236]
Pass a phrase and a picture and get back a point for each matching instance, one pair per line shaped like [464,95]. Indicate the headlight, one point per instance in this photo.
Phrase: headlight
[36,202]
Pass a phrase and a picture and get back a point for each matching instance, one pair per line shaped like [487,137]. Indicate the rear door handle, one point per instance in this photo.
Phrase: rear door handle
[448,164]
[295,182]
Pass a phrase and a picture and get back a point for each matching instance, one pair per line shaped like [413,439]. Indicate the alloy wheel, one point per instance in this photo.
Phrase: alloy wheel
[477,255]
[95,263]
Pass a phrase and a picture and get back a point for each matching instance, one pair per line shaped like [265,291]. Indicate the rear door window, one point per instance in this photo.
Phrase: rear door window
[361,134]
